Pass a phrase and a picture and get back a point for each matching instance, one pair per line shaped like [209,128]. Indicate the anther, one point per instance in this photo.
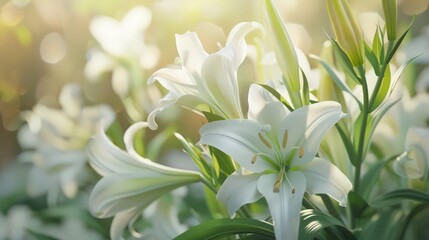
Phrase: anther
[264,140]
[293,190]
[301,152]
[254,158]
[285,136]
[278,181]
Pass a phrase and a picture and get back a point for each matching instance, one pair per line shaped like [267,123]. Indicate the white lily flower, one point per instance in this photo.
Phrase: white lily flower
[125,54]
[205,78]
[413,162]
[130,182]
[56,141]
[14,225]
[279,149]
[124,39]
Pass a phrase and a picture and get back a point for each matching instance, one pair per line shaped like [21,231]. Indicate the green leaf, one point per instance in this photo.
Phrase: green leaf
[384,223]
[277,95]
[305,90]
[215,207]
[391,53]
[225,162]
[337,80]
[221,228]
[398,196]
[370,178]
[196,156]
[372,58]
[377,44]
[40,236]
[211,117]
[314,222]
[414,212]
[359,206]
[381,112]
[345,61]
[383,90]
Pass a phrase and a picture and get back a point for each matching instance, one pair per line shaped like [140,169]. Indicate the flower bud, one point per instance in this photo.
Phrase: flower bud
[390,14]
[346,30]
[284,48]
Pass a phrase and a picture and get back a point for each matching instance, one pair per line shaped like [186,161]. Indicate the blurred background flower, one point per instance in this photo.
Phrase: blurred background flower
[48,44]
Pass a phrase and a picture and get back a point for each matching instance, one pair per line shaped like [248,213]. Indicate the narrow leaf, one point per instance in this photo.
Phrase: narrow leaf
[383,90]
[398,196]
[391,53]
[221,228]
[337,80]
[277,95]
[345,61]
[313,222]
[372,59]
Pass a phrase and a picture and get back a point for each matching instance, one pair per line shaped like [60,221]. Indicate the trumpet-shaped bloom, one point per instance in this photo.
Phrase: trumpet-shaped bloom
[277,149]
[56,140]
[205,78]
[130,182]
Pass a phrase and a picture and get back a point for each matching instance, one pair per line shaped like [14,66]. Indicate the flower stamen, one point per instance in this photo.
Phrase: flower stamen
[278,181]
[264,140]
[254,158]
[301,152]
[285,137]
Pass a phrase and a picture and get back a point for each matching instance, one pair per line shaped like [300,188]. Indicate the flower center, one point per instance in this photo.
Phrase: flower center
[280,159]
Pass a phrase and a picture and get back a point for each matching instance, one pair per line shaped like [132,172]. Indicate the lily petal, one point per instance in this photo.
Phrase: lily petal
[306,127]
[238,190]
[419,136]
[236,47]
[262,107]
[284,205]
[148,164]
[137,20]
[240,140]
[120,222]
[106,158]
[120,192]
[220,82]
[191,52]
[412,163]
[71,100]
[324,177]
[174,80]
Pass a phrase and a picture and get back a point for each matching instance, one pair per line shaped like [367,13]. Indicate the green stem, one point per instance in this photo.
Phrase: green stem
[381,76]
[361,145]
[208,184]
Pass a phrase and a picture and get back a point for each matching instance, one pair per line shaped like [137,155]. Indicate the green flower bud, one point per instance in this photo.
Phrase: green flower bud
[283,46]
[390,14]
[346,29]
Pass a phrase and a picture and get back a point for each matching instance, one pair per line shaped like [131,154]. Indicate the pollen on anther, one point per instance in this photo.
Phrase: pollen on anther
[264,140]
[301,152]
[285,137]
[254,158]
[293,190]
